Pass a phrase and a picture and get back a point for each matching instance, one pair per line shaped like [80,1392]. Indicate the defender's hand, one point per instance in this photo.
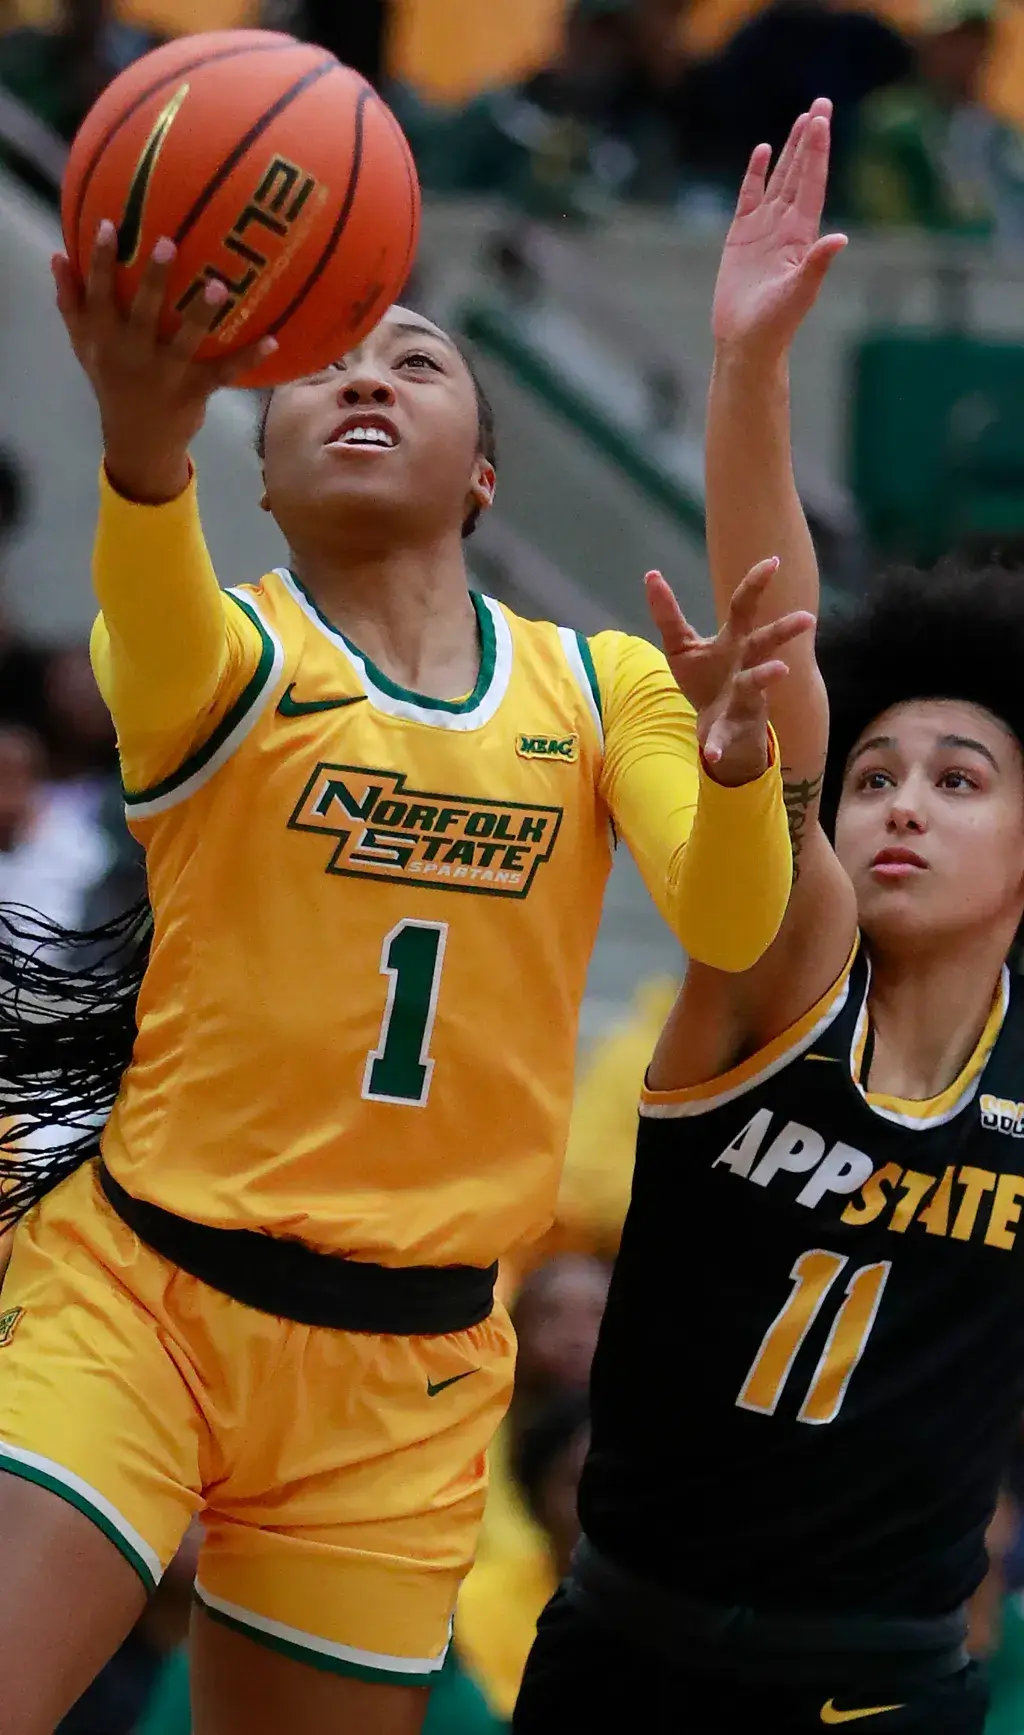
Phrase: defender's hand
[152,393]
[774,262]
[726,678]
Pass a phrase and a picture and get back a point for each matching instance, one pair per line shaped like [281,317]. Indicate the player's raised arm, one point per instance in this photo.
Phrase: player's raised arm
[773,266]
[690,771]
[164,640]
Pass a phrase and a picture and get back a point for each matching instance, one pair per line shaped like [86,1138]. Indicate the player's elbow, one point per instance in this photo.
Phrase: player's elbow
[733,939]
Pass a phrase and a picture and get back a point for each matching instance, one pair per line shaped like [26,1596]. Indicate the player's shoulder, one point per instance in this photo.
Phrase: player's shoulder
[633,677]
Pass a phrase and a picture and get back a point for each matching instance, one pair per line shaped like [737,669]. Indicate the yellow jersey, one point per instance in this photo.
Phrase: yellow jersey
[373,911]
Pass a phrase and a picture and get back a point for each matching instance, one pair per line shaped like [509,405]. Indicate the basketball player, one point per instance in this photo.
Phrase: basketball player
[377,815]
[812,1362]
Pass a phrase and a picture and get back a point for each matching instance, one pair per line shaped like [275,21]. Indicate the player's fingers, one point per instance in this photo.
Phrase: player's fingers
[778,176]
[747,597]
[746,699]
[752,190]
[245,361]
[811,183]
[676,632]
[70,298]
[99,287]
[817,264]
[734,730]
[766,640]
[148,304]
[198,318]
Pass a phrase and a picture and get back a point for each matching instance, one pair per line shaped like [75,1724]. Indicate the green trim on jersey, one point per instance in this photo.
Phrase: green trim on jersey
[454,707]
[581,664]
[393,700]
[199,766]
[588,663]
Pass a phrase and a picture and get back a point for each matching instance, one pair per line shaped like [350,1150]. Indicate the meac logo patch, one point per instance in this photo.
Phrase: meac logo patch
[561,748]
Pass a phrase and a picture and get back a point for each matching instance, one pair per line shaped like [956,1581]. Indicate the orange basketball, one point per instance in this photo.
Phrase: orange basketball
[274,169]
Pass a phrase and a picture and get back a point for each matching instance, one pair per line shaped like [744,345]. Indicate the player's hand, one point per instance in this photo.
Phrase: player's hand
[775,261]
[726,678]
[152,393]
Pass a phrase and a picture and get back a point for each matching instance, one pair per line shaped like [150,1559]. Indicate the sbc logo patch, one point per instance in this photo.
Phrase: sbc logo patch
[563,747]
[9,1324]
[1000,1115]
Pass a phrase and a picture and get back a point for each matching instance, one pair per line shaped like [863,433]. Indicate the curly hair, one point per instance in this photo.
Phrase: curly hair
[945,634]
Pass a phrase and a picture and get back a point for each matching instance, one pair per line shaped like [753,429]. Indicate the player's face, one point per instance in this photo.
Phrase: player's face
[382,444]
[930,826]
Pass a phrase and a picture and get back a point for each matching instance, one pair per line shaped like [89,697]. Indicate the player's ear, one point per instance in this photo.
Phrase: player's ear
[482,487]
[264,501]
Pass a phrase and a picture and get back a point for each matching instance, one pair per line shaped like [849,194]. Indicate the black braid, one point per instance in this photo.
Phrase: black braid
[67,1030]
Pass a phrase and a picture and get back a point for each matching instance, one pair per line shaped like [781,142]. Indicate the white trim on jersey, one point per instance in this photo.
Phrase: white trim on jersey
[664,1111]
[410,707]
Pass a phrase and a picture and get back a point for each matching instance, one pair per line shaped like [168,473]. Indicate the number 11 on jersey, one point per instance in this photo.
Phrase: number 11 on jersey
[812,1277]
[399,1069]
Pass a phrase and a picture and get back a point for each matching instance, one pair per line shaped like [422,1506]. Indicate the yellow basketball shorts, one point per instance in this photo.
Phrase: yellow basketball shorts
[341,1476]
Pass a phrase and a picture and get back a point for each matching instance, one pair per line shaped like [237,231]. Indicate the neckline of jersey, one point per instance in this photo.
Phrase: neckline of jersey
[946,1104]
[395,700]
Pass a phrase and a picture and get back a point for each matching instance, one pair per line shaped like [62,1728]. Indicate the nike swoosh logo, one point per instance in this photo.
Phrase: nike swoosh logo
[442,1385]
[289,707]
[829,1714]
[129,234]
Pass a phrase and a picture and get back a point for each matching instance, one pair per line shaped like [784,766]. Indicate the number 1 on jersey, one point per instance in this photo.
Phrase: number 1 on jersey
[399,1069]
[813,1276]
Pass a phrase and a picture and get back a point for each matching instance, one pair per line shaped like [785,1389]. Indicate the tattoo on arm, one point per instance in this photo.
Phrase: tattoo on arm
[799,798]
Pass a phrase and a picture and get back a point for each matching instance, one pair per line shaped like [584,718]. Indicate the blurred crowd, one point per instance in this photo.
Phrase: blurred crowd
[621,111]
[625,110]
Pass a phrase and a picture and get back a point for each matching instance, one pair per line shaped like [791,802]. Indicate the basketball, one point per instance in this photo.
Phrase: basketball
[274,169]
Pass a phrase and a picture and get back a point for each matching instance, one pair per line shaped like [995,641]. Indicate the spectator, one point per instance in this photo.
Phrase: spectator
[774,67]
[930,155]
[557,1317]
[502,1598]
[58,73]
[608,113]
[22,666]
[50,856]
[357,34]
[79,733]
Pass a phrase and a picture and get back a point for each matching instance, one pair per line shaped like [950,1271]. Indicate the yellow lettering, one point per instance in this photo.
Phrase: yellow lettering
[1005,1212]
[915,1186]
[873,1199]
[974,1182]
[935,1215]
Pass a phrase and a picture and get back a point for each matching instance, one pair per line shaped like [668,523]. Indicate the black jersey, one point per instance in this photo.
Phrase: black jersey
[811,1367]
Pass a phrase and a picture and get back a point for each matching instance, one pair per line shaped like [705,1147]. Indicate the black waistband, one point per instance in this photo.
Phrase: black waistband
[293,1281]
[764,1646]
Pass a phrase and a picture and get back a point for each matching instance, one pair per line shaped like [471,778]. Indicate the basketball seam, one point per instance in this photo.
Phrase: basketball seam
[331,245]
[245,144]
[133,108]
